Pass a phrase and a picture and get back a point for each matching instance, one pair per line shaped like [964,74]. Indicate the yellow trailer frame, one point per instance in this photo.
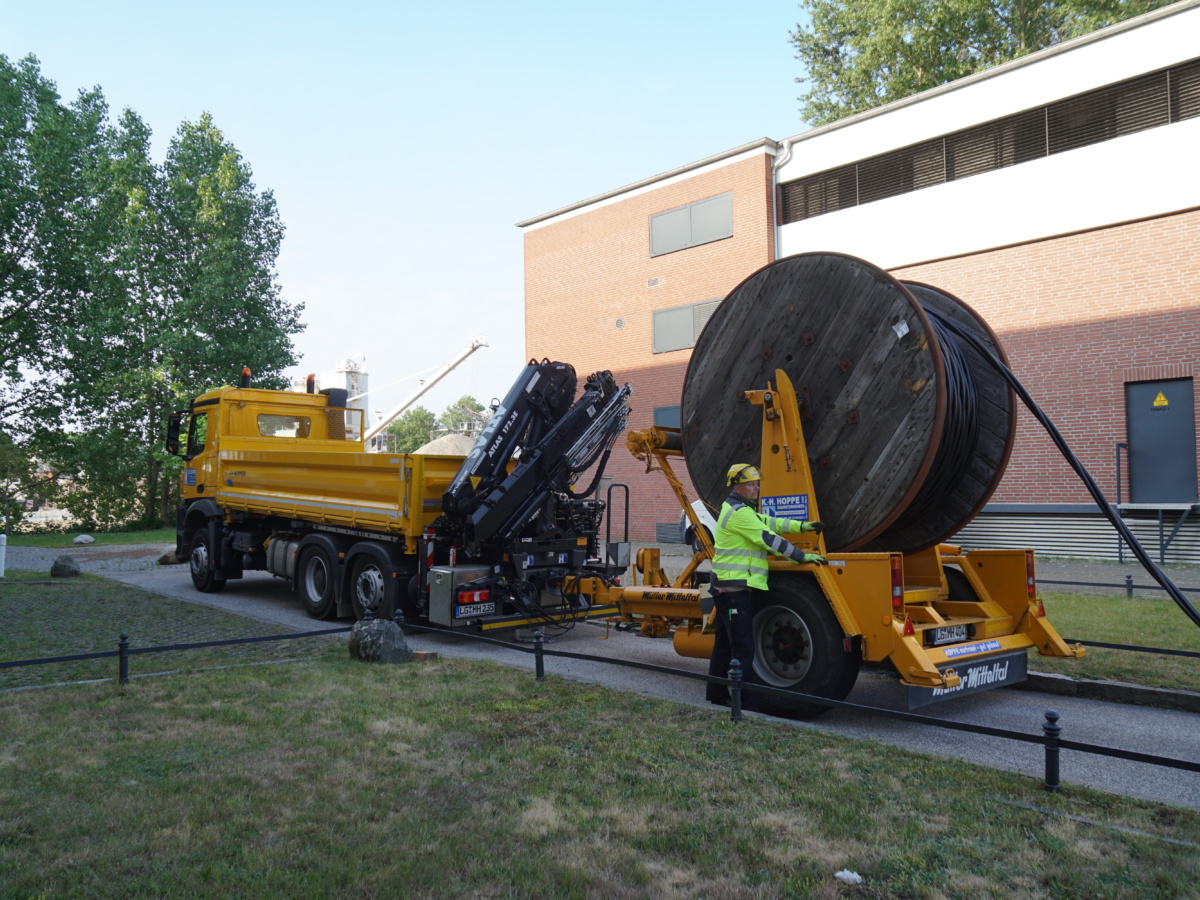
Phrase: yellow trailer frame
[894,602]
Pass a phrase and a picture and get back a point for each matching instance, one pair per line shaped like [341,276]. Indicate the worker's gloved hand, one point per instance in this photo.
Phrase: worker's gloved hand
[815,558]
[818,527]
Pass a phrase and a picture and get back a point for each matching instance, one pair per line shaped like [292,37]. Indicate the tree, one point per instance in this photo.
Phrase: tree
[47,153]
[185,296]
[465,416]
[860,54]
[413,428]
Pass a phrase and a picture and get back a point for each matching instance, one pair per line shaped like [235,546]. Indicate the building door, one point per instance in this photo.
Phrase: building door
[1161,424]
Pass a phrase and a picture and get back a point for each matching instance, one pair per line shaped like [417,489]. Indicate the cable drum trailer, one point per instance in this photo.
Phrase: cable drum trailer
[852,395]
[846,388]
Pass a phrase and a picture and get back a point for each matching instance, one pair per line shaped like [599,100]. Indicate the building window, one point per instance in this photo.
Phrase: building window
[667,416]
[697,223]
[1127,107]
[679,327]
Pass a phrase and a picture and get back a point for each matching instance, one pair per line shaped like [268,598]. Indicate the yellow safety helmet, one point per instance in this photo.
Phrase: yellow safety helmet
[741,473]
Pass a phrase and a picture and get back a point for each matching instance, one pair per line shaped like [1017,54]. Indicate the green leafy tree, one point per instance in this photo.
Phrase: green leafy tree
[48,151]
[413,428]
[185,297]
[860,54]
[465,415]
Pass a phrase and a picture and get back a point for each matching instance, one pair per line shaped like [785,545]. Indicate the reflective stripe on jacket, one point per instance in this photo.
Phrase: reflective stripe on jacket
[744,540]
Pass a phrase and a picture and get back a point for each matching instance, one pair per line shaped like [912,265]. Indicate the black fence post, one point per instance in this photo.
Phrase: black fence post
[1052,730]
[735,690]
[123,659]
[1128,587]
[539,662]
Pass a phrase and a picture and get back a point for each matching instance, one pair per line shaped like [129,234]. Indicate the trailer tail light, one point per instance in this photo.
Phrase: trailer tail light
[1030,584]
[897,584]
[474,596]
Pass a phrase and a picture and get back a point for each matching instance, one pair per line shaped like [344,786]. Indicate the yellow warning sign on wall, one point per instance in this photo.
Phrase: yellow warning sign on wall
[1161,400]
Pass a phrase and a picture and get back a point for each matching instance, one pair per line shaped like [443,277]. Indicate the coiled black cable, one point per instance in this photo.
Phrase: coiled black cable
[960,430]
[1088,482]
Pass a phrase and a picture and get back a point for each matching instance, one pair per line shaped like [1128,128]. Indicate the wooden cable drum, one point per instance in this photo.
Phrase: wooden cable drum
[908,432]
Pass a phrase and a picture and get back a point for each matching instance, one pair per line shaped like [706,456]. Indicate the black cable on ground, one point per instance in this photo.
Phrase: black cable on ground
[1088,482]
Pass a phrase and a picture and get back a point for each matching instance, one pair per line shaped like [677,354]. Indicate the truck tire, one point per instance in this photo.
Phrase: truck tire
[317,581]
[373,587]
[799,646]
[202,562]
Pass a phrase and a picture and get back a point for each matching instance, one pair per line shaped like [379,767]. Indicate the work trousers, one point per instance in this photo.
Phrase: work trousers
[734,640]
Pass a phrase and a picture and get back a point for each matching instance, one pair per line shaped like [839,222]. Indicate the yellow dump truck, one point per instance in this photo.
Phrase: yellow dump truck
[280,481]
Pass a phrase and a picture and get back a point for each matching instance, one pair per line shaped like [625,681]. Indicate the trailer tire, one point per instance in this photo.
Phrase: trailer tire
[317,579]
[800,646]
[202,563]
[373,587]
[961,590]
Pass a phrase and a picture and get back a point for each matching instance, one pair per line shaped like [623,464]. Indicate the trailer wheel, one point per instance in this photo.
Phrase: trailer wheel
[372,588]
[960,588]
[202,562]
[800,646]
[317,574]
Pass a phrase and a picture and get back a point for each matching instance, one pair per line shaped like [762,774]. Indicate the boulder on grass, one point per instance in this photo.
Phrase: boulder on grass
[83,539]
[379,640]
[64,567]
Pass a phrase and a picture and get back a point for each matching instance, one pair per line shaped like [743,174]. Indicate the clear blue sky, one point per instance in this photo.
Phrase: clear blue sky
[404,140]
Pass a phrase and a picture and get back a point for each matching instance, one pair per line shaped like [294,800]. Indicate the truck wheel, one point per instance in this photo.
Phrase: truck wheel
[799,646]
[372,587]
[317,583]
[201,562]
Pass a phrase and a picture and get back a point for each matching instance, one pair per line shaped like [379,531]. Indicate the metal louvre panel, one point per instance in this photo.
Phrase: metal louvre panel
[996,145]
[822,193]
[901,171]
[1185,91]
[1110,112]
[1083,536]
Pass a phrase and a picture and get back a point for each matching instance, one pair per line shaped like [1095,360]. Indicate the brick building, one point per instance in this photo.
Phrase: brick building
[1058,195]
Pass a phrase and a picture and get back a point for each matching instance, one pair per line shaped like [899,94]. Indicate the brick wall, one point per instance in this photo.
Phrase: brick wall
[1079,316]
[591,287]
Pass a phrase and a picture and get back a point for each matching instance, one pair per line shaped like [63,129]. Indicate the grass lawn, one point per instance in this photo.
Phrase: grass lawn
[88,614]
[1117,620]
[55,541]
[453,778]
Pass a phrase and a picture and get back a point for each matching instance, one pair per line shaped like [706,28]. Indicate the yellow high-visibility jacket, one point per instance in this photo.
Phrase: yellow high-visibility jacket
[744,539]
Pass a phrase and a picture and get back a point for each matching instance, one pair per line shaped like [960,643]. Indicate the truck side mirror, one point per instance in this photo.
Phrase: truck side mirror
[174,423]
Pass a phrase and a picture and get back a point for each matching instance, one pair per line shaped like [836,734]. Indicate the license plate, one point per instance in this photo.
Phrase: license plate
[951,634]
[474,609]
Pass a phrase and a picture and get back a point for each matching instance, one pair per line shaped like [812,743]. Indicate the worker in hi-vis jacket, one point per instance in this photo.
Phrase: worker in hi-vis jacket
[744,540]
